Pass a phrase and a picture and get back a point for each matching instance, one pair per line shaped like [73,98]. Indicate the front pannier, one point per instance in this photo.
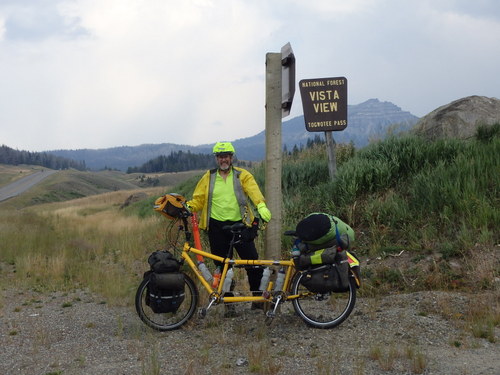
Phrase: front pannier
[165,290]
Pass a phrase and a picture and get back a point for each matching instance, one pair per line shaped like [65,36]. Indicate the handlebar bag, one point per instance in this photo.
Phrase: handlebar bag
[170,205]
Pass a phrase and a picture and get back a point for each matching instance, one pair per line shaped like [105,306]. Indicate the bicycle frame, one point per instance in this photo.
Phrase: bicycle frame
[217,293]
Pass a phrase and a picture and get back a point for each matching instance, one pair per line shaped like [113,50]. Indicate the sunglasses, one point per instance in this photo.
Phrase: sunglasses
[222,156]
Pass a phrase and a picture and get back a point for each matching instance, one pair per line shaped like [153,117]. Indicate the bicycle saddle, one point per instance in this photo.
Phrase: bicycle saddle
[235,228]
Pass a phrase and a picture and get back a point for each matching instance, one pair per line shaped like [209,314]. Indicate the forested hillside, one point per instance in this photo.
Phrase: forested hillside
[175,162]
[179,161]
[15,157]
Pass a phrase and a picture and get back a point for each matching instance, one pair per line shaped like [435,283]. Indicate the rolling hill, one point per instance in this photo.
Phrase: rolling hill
[366,121]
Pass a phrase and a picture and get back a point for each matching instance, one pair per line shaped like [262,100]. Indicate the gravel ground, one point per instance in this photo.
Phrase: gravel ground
[76,333]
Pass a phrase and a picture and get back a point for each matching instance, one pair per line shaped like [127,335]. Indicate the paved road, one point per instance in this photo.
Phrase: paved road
[23,184]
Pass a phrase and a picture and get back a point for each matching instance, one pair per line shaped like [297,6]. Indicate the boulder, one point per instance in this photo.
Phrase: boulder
[136,197]
[459,119]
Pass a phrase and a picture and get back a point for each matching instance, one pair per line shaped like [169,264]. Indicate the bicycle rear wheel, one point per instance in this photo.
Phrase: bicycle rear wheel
[323,310]
[167,321]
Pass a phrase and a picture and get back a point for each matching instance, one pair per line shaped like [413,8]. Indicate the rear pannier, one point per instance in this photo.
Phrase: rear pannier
[333,277]
[323,241]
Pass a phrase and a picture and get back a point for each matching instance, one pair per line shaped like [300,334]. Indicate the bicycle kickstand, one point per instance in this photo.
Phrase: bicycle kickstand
[203,310]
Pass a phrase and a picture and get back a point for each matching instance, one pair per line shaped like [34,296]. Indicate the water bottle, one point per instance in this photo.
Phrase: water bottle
[295,252]
[205,271]
[228,280]
[265,279]
[216,278]
[280,279]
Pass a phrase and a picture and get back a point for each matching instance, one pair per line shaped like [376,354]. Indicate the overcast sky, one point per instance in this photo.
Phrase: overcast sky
[103,73]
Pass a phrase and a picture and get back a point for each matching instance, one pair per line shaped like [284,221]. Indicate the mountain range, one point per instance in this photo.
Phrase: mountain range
[367,121]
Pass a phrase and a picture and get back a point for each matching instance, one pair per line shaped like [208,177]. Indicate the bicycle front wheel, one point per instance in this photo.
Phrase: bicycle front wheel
[323,310]
[167,321]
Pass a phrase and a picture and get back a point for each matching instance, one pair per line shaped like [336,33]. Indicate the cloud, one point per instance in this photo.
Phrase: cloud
[136,59]
[103,73]
[35,21]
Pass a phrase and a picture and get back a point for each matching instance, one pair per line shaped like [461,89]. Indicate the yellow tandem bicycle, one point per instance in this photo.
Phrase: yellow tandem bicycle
[319,310]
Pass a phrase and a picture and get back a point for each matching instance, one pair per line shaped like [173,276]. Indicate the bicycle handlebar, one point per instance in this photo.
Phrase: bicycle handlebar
[186,211]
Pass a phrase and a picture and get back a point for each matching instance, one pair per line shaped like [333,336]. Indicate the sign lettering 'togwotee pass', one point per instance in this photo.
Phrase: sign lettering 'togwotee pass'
[324,101]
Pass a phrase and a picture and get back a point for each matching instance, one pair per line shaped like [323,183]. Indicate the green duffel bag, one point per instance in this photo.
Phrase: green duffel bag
[321,230]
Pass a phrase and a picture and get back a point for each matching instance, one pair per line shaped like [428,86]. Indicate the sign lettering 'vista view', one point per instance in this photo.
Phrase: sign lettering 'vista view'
[324,101]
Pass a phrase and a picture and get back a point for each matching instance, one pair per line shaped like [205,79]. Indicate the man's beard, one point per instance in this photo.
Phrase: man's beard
[225,167]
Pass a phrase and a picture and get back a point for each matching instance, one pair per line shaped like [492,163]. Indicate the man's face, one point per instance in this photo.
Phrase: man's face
[224,161]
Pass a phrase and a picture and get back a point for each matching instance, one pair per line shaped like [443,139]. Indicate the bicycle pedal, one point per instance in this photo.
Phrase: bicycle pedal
[202,312]
[269,318]
[270,314]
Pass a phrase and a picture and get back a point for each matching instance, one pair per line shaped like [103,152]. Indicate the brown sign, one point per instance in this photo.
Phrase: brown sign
[324,101]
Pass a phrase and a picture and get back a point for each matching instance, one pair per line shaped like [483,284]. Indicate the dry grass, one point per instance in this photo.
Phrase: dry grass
[483,316]
[115,198]
[392,357]
[260,362]
[87,242]
[151,364]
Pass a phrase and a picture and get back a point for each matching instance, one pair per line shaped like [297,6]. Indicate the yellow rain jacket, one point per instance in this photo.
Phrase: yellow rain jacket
[244,185]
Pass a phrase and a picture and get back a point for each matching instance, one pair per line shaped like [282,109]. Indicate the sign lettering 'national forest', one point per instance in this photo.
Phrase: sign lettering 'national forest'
[324,101]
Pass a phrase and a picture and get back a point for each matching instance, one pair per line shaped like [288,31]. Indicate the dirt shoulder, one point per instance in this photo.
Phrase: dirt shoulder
[77,333]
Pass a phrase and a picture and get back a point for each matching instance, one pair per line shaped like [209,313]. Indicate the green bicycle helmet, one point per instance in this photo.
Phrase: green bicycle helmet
[223,148]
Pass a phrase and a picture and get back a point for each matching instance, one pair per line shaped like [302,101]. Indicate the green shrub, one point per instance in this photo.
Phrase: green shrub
[404,191]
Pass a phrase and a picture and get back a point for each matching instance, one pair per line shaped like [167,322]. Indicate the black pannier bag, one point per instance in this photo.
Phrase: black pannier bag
[327,278]
[309,259]
[163,261]
[165,290]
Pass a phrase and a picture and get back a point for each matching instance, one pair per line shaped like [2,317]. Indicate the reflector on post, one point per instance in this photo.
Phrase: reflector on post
[287,79]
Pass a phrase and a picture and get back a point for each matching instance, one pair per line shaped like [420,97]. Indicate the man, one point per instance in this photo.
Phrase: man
[222,195]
